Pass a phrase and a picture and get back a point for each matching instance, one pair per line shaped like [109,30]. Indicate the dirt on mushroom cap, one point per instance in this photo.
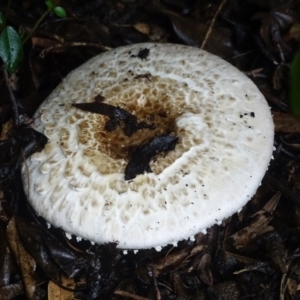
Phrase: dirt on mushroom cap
[216,167]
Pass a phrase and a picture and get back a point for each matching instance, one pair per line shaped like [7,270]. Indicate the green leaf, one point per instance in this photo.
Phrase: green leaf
[49,4]
[60,11]
[1,18]
[295,84]
[10,49]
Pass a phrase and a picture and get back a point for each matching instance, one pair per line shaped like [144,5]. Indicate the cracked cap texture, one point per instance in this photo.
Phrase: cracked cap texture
[225,132]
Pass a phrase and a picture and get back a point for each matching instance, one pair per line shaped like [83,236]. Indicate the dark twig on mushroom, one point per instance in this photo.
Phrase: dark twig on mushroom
[116,116]
[139,162]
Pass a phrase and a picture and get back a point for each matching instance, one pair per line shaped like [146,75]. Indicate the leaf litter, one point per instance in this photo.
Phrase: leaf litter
[252,255]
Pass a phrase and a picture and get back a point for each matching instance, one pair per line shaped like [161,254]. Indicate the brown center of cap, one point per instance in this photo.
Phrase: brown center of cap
[149,103]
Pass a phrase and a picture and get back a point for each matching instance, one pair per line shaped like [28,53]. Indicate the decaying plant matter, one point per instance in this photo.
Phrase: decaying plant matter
[252,255]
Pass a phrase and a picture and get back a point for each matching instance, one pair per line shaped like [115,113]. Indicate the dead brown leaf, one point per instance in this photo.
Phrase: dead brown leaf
[43,42]
[294,32]
[175,259]
[154,33]
[292,287]
[286,122]
[258,225]
[6,129]
[241,258]
[205,274]
[56,292]
[24,260]
[177,284]
[142,27]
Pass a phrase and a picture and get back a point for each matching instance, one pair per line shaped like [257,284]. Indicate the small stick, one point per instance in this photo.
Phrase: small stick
[61,47]
[12,98]
[158,295]
[212,24]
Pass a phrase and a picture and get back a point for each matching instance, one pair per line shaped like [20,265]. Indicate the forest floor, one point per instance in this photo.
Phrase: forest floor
[255,254]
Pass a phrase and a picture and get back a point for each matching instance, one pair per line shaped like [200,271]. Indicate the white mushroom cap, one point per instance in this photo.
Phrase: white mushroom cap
[225,132]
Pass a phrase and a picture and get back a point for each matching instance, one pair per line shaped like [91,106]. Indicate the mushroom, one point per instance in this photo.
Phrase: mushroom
[224,141]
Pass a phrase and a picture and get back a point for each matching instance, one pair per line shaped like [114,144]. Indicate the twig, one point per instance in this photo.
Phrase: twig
[61,47]
[281,53]
[158,295]
[12,98]
[283,285]
[254,73]
[242,54]
[39,21]
[129,295]
[212,24]
[36,25]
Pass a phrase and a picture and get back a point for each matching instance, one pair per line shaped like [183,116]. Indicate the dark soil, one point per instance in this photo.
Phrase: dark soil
[253,255]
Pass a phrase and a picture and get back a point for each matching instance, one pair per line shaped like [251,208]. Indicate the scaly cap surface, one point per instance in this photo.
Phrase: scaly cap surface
[225,132]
